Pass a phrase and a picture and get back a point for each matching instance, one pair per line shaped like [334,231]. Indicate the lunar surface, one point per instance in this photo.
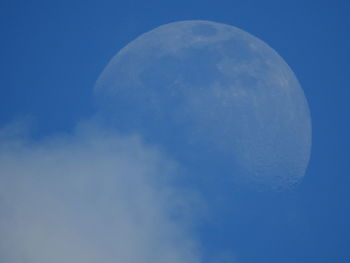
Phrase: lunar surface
[215,98]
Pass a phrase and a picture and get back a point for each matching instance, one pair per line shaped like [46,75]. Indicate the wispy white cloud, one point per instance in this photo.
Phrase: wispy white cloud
[94,196]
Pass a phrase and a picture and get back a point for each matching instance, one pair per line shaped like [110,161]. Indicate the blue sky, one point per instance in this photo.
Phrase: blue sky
[53,52]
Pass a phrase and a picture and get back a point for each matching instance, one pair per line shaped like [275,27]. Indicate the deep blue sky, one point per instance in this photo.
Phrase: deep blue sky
[53,51]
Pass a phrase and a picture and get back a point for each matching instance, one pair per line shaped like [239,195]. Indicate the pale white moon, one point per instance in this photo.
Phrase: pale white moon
[212,95]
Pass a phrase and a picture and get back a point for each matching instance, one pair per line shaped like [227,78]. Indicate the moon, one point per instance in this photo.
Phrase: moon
[215,98]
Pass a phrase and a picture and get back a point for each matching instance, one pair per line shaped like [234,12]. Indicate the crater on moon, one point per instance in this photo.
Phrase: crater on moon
[204,30]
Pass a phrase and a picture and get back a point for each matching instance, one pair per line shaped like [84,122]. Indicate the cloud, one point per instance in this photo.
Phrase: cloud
[92,196]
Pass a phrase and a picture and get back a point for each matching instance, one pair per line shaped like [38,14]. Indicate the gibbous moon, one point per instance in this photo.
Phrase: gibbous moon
[214,97]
